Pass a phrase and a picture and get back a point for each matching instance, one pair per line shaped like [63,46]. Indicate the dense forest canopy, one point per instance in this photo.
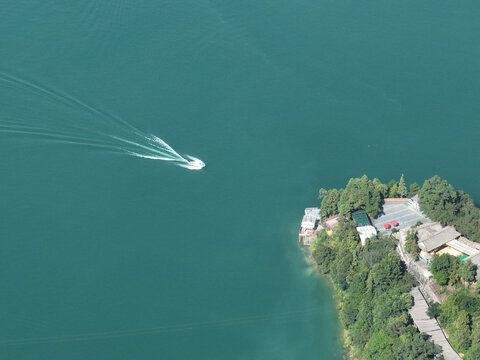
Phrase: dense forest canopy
[373,287]
[363,194]
[441,202]
[459,315]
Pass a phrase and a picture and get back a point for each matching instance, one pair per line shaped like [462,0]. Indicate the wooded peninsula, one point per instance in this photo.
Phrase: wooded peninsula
[373,277]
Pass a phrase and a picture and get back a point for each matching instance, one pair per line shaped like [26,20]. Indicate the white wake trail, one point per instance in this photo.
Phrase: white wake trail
[81,123]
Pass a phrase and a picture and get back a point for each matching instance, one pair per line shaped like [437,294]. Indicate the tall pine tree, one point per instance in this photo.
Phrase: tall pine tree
[402,189]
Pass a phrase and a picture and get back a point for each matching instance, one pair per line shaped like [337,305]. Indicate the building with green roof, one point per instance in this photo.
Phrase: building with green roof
[360,217]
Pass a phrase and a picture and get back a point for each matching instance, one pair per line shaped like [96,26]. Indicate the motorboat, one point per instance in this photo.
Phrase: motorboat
[196,164]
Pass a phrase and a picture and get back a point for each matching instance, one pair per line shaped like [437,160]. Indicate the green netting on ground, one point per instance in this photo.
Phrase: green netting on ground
[360,217]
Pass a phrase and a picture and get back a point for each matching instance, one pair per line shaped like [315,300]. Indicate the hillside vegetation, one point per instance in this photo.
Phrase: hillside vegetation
[371,283]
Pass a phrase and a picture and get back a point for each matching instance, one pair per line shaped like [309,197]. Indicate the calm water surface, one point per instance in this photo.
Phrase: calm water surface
[109,256]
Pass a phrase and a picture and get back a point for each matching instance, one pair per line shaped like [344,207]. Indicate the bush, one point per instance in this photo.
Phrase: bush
[441,278]
[473,353]
[467,271]
[360,193]
[411,244]
[434,310]
[460,317]
[445,269]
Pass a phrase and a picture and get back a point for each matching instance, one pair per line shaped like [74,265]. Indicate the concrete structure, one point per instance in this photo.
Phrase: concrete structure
[311,223]
[418,312]
[306,236]
[365,232]
[313,211]
[308,228]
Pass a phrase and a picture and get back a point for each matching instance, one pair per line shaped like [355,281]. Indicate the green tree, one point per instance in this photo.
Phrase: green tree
[413,189]
[467,271]
[381,188]
[460,316]
[323,256]
[387,272]
[441,278]
[460,331]
[321,193]
[411,244]
[371,257]
[476,332]
[330,202]
[445,268]
[415,346]
[467,220]
[402,188]
[360,193]
[389,304]
[380,346]
[473,353]
[434,310]
[393,191]
[438,200]
[442,203]
[346,232]
[391,183]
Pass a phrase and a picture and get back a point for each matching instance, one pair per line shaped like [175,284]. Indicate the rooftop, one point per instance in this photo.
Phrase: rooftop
[360,217]
[365,232]
[475,259]
[438,239]
[465,246]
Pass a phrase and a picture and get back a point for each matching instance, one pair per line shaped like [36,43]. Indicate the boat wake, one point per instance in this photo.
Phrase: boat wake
[76,122]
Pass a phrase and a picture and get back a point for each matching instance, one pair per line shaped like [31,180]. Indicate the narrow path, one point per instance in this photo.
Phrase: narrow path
[418,312]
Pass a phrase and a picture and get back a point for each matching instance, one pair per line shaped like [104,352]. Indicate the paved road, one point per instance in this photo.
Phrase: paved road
[418,312]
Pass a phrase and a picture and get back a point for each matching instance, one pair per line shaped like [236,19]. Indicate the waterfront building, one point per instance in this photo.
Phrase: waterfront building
[313,211]
[311,223]
[309,226]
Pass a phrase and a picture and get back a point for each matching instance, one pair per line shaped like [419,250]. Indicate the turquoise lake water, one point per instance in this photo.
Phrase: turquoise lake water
[104,255]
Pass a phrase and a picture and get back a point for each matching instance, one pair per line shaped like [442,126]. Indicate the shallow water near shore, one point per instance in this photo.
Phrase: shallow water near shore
[109,256]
